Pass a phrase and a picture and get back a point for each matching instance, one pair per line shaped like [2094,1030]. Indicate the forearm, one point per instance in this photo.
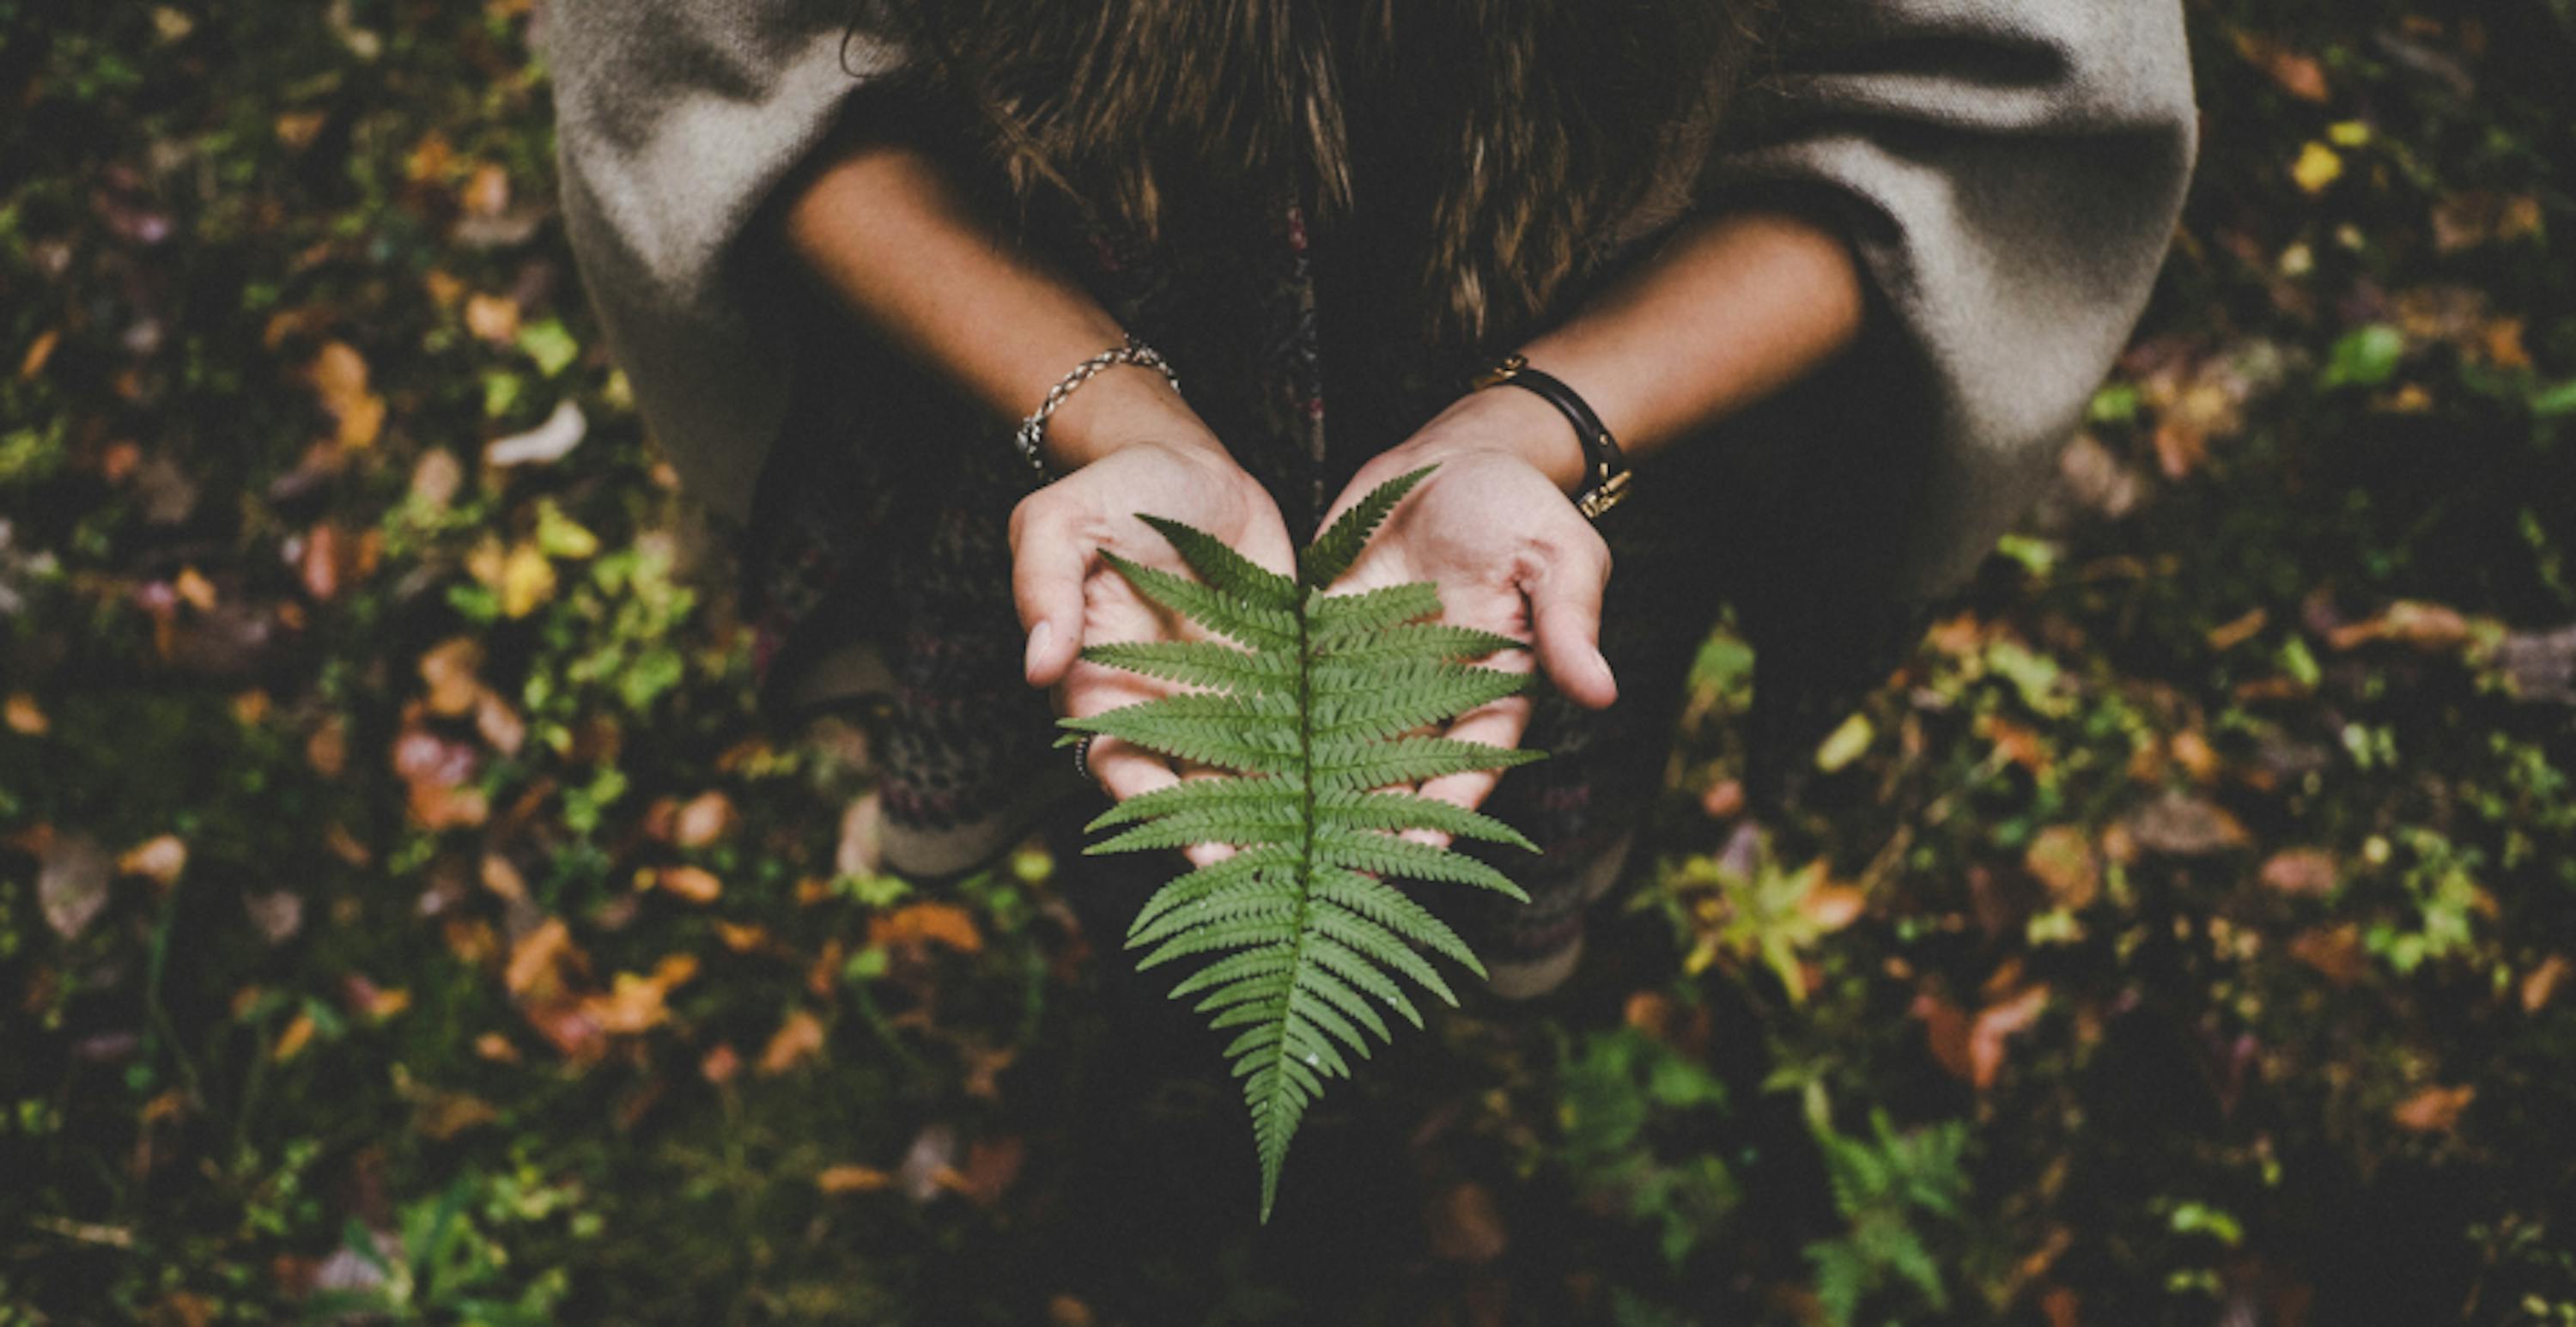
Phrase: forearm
[1731,309]
[901,247]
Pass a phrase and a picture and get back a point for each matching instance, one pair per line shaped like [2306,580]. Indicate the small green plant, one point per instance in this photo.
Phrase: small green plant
[1311,705]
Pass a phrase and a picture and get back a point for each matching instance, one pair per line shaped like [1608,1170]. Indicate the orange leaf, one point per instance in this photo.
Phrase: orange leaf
[852,1179]
[535,954]
[2434,1109]
[797,1038]
[1996,1024]
[2229,635]
[2335,952]
[291,1042]
[449,669]
[2429,627]
[25,717]
[493,318]
[689,882]
[921,923]
[2544,981]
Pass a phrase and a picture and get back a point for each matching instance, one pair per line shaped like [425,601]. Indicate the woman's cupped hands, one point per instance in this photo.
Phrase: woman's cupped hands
[1490,527]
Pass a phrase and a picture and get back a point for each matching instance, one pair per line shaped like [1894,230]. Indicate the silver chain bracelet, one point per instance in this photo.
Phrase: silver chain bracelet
[1033,429]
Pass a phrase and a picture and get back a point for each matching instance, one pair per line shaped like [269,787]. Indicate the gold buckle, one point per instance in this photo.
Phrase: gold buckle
[1603,496]
[1501,373]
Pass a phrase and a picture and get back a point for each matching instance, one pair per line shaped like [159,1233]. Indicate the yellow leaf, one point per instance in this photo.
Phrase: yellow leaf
[291,1042]
[2349,133]
[527,580]
[2318,167]
[1848,743]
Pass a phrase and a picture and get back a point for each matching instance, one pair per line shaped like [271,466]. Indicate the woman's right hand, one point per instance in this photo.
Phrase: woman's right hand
[1070,597]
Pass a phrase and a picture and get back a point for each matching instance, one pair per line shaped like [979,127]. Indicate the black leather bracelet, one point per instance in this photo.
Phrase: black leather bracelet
[1605,468]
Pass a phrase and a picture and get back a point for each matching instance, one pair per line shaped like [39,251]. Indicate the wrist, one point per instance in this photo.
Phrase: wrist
[1124,406]
[1520,424]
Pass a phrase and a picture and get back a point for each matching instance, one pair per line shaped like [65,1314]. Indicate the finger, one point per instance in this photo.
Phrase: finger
[1126,770]
[1501,723]
[1565,609]
[1047,569]
[1205,854]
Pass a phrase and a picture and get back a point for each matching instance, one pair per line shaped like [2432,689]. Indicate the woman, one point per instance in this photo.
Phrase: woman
[1836,281]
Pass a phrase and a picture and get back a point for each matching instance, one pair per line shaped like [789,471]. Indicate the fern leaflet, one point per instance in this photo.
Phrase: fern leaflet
[1309,704]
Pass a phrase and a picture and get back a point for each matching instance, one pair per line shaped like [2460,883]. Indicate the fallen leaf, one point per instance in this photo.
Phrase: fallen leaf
[2539,667]
[2335,952]
[1466,1225]
[689,882]
[71,883]
[2317,168]
[927,1160]
[547,442]
[499,725]
[704,820]
[449,669]
[916,925]
[2185,826]
[436,479]
[838,1180]
[496,1048]
[1724,800]
[2542,982]
[194,589]
[25,717]
[39,353]
[2434,1109]
[2061,857]
[720,1065]
[1996,1024]
[368,1000]
[527,580]
[799,1037]
[2302,872]
[1945,1032]
[277,915]
[2295,73]
[291,1042]
[534,956]
[442,1115]
[339,377]
[2428,627]
[2229,635]
[992,1166]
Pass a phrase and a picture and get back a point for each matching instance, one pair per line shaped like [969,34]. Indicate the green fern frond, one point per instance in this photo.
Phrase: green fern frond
[1302,943]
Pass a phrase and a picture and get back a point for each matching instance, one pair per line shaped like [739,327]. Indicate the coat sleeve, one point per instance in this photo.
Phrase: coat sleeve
[676,122]
[2009,173]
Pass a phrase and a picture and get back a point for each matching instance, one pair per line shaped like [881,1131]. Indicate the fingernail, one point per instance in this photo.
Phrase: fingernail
[1037,647]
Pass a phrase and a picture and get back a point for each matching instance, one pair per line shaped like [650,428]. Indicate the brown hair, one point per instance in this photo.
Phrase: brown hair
[1501,135]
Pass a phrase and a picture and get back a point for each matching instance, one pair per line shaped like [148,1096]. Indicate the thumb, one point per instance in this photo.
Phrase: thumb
[1565,611]
[1047,568]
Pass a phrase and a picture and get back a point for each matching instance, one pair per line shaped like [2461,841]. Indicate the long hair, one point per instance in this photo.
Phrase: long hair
[1500,138]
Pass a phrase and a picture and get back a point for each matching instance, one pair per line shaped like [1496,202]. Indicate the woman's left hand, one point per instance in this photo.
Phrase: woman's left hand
[1492,527]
